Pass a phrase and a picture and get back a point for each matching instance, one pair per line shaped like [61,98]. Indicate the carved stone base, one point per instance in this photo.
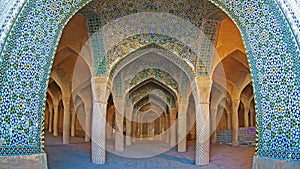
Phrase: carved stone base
[36,161]
[262,162]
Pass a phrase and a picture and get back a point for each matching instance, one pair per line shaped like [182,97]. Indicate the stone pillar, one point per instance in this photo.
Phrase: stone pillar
[213,126]
[67,119]
[46,118]
[99,88]
[228,115]
[55,119]
[181,130]
[128,113]
[173,126]
[109,130]
[119,112]
[235,121]
[73,124]
[161,132]
[139,126]
[150,127]
[167,128]
[246,116]
[202,120]
[252,123]
[88,120]
[134,134]
[50,118]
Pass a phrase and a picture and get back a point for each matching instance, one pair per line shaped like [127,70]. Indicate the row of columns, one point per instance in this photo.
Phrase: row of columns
[99,87]
[232,119]
[69,120]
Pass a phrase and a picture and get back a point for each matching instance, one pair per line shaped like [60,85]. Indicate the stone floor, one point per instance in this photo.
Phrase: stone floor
[77,155]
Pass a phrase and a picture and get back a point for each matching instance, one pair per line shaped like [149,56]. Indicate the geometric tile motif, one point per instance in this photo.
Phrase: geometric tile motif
[207,46]
[97,43]
[272,51]
[8,11]
[132,44]
[273,58]
[129,70]
[25,62]
[192,12]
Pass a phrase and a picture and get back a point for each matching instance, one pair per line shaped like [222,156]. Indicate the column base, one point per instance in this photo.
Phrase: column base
[263,162]
[100,160]
[36,161]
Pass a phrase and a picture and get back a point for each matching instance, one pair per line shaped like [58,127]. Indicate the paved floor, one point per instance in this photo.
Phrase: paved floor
[77,155]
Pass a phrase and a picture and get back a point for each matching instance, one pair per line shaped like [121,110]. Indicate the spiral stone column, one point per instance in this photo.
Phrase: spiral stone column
[99,88]
[202,120]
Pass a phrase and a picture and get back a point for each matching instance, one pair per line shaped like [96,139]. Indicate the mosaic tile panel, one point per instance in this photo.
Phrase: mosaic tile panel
[141,21]
[150,58]
[273,58]
[125,47]
[207,46]
[8,12]
[271,48]
[190,10]
[171,68]
[26,62]
[291,10]
[97,43]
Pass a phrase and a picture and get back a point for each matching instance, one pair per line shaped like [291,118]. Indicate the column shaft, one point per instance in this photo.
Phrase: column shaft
[202,134]
[99,89]
[228,115]
[182,129]
[213,125]
[73,124]
[167,119]
[235,122]
[88,121]
[173,127]
[202,120]
[128,112]
[55,120]
[98,132]
[246,116]
[119,136]
[67,120]
[50,119]
[252,123]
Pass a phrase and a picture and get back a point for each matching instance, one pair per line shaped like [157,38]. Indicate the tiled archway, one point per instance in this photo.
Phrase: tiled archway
[32,36]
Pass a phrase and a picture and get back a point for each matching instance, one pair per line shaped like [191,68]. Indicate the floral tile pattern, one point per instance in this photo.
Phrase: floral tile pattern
[28,52]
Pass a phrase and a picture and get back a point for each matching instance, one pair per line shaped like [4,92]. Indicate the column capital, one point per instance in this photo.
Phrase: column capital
[99,89]
[203,85]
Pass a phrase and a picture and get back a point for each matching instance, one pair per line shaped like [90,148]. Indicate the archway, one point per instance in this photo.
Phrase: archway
[265,70]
